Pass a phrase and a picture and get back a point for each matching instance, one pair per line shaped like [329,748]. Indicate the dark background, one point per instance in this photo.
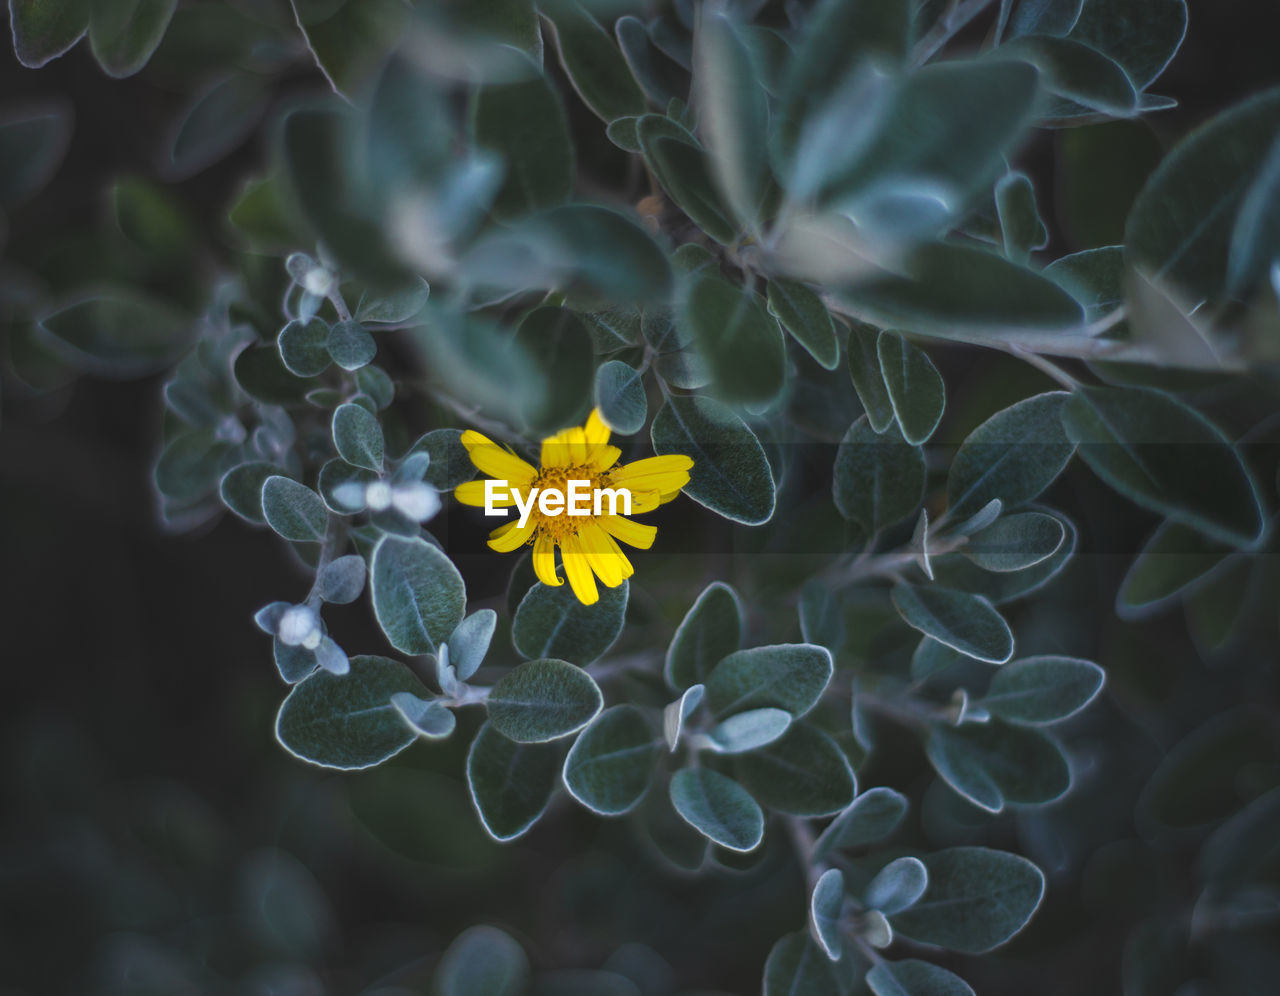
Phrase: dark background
[151,828]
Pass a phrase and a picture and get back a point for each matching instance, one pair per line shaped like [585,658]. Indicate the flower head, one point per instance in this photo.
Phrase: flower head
[588,541]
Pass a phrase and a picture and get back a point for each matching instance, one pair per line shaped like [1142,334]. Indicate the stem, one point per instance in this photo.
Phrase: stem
[335,537]
[470,695]
[339,305]
[1046,366]
[605,669]
[803,839]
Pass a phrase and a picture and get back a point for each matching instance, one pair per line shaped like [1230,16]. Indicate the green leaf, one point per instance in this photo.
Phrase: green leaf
[304,347]
[1141,35]
[293,510]
[797,964]
[878,478]
[432,720]
[1078,72]
[396,305]
[118,334]
[995,763]
[619,394]
[1167,457]
[593,64]
[825,906]
[525,124]
[469,642]
[677,713]
[1015,542]
[968,294]
[896,886]
[610,765]
[730,472]
[748,730]
[734,111]
[967,623]
[803,314]
[1182,224]
[1020,224]
[872,817]
[915,387]
[559,249]
[790,676]
[677,160]
[45,29]
[189,465]
[358,437]
[543,700]
[804,773]
[718,808]
[482,960]
[450,464]
[977,899]
[351,346]
[660,77]
[348,721]
[711,630]
[418,595]
[838,39]
[864,368]
[956,571]
[551,622]
[511,784]
[31,148]
[1173,559]
[915,978]
[737,337]
[1040,690]
[124,33]
[557,341]
[342,580]
[215,121]
[944,132]
[1043,17]
[241,489]
[1014,456]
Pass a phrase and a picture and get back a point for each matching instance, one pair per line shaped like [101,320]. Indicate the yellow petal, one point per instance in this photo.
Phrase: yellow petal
[581,580]
[632,533]
[555,450]
[472,493]
[644,501]
[577,442]
[510,536]
[627,569]
[494,460]
[601,555]
[597,432]
[604,457]
[544,561]
[661,474]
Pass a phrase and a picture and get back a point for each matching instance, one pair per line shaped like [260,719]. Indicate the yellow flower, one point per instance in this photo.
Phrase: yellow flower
[588,541]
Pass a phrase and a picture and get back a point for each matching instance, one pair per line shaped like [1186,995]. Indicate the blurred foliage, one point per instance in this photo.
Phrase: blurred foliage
[944,316]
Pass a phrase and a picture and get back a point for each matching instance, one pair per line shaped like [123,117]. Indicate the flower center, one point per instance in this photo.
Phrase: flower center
[556,479]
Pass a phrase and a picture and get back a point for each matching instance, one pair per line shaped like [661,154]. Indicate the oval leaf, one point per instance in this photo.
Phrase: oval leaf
[348,721]
[543,700]
[718,808]
[418,595]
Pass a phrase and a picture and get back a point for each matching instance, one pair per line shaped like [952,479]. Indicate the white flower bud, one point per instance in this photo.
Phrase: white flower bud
[378,496]
[419,501]
[300,627]
[318,281]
